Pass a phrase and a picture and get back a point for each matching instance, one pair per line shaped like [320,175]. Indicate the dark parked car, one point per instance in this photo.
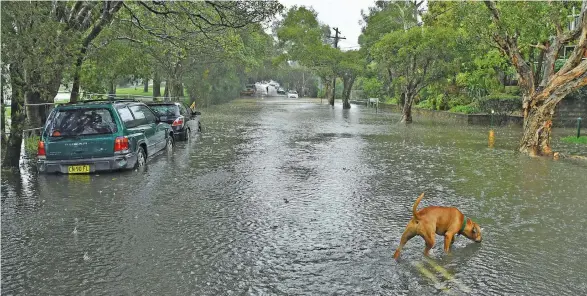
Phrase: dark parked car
[92,136]
[182,119]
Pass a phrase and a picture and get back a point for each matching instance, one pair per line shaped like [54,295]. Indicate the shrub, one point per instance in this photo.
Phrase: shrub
[512,90]
[31,144]
[425,104]
[467,109]
[459,101]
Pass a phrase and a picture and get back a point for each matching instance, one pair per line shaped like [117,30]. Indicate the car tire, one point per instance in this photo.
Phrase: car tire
[169,145]
[199,126]
[141,158]
[187,135]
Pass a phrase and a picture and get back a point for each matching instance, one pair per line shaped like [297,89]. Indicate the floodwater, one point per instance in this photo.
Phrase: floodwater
[290,197]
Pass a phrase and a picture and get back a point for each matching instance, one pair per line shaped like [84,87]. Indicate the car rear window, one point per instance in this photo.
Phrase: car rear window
[169,110]
[81,122]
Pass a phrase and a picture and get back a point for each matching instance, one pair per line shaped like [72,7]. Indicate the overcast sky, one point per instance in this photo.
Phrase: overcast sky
[342,14]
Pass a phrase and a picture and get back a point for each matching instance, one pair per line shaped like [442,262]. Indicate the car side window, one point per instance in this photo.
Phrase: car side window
[144,114]
[127,118]
[149,114]
[140,117]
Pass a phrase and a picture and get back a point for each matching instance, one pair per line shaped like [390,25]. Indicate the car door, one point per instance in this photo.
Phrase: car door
[161,128]
[145,122]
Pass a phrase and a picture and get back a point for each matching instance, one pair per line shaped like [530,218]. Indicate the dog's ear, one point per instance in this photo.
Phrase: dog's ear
[474,230]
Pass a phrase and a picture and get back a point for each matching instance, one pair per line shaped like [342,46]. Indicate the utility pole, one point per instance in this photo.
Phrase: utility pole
[336,38]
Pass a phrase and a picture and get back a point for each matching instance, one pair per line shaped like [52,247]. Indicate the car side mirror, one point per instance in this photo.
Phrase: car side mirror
[196,113]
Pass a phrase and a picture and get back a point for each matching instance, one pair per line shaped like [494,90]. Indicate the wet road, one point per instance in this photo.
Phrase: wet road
[282,197]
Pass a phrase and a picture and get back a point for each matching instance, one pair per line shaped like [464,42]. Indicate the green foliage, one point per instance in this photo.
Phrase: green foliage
[425,104]
[31,144]
[416,58]
[467,109]
[459,100]
[386,17]
[575,140]
[372,87]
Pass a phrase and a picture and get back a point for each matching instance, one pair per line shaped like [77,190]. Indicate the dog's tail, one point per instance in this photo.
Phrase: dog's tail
[415,208]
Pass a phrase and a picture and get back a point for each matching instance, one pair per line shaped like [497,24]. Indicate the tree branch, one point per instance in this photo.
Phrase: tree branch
[579,51]
[539,46]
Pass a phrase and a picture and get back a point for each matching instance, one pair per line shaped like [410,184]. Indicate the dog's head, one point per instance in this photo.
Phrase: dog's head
[472,231]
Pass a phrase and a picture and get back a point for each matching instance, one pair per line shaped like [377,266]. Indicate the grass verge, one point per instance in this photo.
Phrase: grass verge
[575,140]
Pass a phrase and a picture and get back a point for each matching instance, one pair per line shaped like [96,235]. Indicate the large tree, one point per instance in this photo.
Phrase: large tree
[517,26]
[415,59]
[305,40]
[350,66]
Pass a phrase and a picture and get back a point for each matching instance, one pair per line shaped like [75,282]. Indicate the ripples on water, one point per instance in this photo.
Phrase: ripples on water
[284,198]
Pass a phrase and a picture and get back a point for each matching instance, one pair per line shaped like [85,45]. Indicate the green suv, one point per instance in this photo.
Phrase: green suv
[93,136]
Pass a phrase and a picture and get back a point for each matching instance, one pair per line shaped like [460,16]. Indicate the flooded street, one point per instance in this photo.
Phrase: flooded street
[290,197]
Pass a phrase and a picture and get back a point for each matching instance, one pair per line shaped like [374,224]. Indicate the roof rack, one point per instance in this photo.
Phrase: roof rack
[108,100]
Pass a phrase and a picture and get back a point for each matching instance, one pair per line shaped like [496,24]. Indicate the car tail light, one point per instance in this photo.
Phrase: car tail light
[178,121]
[41,149]
[120,144]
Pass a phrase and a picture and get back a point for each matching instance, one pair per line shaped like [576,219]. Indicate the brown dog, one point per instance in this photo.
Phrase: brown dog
[446,221]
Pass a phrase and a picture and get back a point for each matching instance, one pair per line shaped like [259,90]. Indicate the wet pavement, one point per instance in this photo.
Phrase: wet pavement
[290,197]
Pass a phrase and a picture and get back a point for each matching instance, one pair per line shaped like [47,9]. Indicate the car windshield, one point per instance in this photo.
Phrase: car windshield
[81,122]
[168,110]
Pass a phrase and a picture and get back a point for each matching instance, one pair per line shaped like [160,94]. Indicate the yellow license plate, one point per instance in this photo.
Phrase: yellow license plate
[78,169]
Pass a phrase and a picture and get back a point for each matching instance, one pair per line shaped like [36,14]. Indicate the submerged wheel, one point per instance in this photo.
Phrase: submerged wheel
[141,157]
[169,144]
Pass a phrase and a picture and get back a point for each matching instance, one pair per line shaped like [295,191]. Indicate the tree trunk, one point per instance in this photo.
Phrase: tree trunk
[167,86]
[3,122]
[191,92]
[12,152]
[407,110]
[111,89]
[537,131]
[402,99]
[539,71]
[346,94]
[331,99]
[107,14]
[35,114]
[146,84]
[156,85]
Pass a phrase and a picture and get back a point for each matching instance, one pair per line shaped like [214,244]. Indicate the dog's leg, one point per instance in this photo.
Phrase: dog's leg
[448,241]
[430,240]
[408,234]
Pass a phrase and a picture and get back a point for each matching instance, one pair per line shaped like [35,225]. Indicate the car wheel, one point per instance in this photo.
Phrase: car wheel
[199,127]
[188,135]
[169,144]
[141,158]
